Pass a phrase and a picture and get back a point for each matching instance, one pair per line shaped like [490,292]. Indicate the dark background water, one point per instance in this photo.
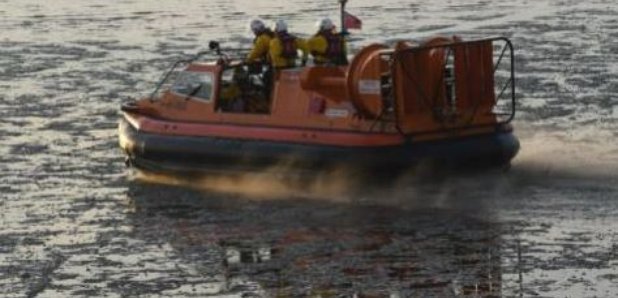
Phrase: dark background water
[74,221]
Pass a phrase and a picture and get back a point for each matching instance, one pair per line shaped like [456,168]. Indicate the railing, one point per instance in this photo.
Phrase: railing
[215,53]
[166,78]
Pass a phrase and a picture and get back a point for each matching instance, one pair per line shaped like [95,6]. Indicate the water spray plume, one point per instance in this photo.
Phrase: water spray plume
[591,155]
[277,182]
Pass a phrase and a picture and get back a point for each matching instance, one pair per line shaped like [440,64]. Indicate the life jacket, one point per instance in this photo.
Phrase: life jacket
[334,48]
[266,31]
[288,45]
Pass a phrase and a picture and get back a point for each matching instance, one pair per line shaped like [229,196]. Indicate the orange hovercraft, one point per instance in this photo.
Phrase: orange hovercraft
[444,100]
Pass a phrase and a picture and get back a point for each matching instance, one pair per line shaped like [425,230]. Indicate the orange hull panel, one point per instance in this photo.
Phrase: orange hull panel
[247,132]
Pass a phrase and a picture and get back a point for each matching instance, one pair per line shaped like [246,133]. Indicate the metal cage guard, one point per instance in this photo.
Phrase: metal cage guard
[394,56]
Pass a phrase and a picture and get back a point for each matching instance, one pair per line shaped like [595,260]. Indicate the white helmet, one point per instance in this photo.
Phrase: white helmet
[325,24]
[281,26]
[257,25]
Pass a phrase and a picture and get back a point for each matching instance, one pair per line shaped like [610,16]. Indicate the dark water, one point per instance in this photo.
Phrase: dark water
[74,221]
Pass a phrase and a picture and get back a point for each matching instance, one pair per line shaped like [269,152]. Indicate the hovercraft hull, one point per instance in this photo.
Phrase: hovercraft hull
[162,152]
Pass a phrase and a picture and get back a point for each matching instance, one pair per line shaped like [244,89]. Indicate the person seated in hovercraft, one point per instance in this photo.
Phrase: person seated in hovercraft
[238,94]
[231,97]
[327,46]
[284,47]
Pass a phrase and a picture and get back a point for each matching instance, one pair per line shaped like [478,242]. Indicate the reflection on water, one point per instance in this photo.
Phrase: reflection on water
[309,247]
[435,234]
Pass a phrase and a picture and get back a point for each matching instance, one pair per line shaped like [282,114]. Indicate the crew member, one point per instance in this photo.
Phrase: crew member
[327,46]
[261,42]
[284,47]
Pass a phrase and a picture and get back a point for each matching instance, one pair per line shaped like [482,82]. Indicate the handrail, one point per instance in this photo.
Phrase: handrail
[217,52]
[165,77]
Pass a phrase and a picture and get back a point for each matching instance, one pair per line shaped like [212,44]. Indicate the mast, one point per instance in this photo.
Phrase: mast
[342,6]
[344,33]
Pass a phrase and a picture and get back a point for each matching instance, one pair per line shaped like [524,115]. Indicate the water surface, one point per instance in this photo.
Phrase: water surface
[76,222]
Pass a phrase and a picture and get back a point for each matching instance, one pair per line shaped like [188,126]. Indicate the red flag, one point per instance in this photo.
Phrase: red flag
[351,22]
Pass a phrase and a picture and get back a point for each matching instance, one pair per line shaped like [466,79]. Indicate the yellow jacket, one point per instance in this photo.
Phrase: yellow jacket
[318,47]
[276,52]
[259,53]
[229,93]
